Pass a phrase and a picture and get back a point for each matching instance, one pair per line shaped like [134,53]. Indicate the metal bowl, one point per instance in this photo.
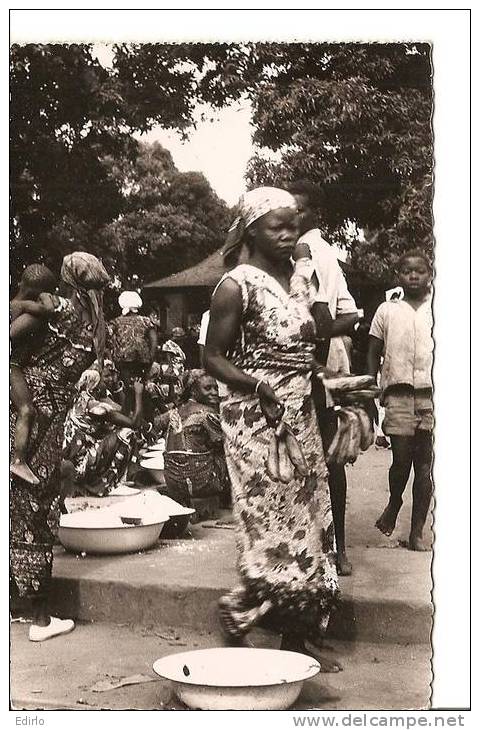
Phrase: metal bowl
[155,467]
[237,678]
[109,540]
[124,490]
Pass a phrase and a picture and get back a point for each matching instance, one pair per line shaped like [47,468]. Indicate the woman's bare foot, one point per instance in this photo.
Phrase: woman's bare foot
[387,520]
[415,543]
[327,666]
[23,471]
[344,566]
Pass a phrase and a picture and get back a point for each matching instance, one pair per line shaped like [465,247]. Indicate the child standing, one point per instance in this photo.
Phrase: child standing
[401,331]
[35,280]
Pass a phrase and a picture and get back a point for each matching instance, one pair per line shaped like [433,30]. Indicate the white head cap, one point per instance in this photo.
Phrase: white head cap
[129,301]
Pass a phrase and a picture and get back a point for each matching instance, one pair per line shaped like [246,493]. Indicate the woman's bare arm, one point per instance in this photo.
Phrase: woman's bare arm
[343,324]
[134,420]
[223,332]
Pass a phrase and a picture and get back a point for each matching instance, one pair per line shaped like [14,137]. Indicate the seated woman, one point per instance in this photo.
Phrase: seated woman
[99,438]
[194,448]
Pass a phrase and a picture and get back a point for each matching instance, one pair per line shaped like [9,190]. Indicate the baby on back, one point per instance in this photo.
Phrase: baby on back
[26,308]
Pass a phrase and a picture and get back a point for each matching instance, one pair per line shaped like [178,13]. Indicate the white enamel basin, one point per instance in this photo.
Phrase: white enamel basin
[109,540]
[237,678]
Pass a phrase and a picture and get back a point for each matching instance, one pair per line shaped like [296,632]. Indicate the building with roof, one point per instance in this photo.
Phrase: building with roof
[182,298]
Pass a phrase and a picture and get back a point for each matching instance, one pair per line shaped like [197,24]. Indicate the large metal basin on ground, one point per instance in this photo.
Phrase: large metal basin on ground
[237,678]
[109,540]
[127,526]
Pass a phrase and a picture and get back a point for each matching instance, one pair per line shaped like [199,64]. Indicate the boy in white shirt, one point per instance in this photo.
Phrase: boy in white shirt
[344,313]
[401,331]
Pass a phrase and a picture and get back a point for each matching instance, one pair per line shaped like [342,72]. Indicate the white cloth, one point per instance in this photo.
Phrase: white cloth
[407,343]
[129,300]
[202,335]
[395,293]
[338,298]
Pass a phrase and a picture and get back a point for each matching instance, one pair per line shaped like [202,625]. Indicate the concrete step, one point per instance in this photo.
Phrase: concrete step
[62,673]
[178,582]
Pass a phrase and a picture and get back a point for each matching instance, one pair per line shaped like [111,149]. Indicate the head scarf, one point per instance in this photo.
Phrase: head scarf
[176,350]
[129,300]
[251,207]
[88,276]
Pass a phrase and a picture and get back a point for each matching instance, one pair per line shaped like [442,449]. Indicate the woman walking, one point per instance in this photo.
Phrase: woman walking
[75,337]
[260,345]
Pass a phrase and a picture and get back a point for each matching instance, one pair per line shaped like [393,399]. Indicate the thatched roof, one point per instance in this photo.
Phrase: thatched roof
[206,273]
[209,272]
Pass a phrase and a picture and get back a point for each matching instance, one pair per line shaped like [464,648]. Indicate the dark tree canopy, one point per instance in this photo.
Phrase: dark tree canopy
[65,118]
[69,118]
[352,118]
[172,220]
[356,120]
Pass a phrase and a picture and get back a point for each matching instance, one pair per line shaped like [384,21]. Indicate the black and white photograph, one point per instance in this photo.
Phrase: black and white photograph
[223,356]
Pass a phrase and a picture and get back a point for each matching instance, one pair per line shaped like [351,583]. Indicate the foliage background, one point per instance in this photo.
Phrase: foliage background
[353,118]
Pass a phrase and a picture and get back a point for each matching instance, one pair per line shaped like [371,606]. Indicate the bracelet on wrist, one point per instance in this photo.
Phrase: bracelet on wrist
[259,383]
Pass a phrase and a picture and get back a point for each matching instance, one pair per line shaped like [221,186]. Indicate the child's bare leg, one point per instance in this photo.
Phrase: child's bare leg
[22,401]
[422,487]
[402,459]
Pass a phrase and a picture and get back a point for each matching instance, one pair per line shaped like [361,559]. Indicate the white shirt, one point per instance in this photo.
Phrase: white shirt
[339,299]
[407,343]
[202,335]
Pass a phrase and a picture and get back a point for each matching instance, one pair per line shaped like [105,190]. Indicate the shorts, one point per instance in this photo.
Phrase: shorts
[407,412]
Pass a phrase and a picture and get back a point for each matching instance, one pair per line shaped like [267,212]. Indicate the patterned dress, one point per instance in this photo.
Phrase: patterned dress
[286,547]
[129,338]
[51,375]
[100,452]
[193,451]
